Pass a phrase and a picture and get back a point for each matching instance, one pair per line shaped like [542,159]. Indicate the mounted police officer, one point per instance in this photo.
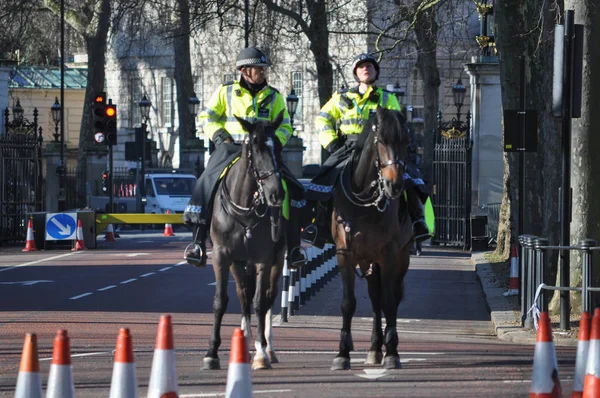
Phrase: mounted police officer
[339,123]
[250,98]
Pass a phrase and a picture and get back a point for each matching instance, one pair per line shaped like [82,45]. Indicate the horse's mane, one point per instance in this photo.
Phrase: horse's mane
[384,117]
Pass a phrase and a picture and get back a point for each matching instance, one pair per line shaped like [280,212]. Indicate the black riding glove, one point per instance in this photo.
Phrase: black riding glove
[333,146]
[220,136]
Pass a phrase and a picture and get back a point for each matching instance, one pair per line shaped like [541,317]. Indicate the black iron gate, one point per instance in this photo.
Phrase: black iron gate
[21,188]
[452,184]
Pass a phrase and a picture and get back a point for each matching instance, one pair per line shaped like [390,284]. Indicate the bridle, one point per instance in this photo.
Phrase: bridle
[376,199]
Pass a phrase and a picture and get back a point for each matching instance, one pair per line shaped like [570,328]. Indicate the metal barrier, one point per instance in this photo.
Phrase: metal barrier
[534,271]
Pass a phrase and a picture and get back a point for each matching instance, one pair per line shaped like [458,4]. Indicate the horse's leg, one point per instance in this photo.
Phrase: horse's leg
[244,287]
[393,291]
[375,355]
[272,293]
[342,360]
[220,301]
[261,306]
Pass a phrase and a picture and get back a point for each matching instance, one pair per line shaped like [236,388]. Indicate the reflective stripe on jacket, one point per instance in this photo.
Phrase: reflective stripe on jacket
[349,111]
[233,100]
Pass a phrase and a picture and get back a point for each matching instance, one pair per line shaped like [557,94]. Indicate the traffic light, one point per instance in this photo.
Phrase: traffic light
[99,116]
[111,124]
[105,181]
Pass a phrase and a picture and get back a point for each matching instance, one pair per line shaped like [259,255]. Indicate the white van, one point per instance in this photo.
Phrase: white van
[168,192]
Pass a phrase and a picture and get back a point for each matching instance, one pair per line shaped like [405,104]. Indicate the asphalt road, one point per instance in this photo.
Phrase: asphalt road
[447,346]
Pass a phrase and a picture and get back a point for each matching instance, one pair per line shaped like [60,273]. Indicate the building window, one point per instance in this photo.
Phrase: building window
[167,101]
[297,85]
[136,96]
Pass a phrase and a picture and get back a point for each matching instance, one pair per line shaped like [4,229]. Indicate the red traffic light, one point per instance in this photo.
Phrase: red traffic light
[99,99]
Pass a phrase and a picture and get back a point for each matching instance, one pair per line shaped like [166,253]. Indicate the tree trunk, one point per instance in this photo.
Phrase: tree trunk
[183,71]
[319,46]
[426,31]
[585,180]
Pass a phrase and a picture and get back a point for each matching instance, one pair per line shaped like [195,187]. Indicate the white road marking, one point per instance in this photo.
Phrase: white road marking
[222,394]
[128,281]
[164,269]
[107,288]
[372,373]
[215,283]
[24,283]
[38,261]
[148,274]
[80,296]
[137,254]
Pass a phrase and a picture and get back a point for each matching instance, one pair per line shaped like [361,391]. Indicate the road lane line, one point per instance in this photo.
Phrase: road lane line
[164,269]
[128,281]
[147,274]
[107,288]
[80,296]
[37,261]
[222,394]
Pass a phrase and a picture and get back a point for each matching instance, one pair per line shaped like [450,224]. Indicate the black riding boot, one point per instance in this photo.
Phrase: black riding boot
[197,255]
[417,215]
[316,233]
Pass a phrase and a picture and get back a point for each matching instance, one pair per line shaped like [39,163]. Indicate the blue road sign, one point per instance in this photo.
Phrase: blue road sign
[61,226]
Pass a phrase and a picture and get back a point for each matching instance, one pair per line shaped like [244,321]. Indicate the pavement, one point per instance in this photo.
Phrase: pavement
[504,313]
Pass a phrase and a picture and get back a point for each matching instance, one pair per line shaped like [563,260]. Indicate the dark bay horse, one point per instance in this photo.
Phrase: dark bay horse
[247,231]
[372,232]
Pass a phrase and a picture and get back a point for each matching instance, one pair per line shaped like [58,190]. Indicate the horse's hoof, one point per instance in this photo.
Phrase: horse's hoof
[211,363]
[341,363]
[272,357]
[261,363]
[374,358]
[392,362]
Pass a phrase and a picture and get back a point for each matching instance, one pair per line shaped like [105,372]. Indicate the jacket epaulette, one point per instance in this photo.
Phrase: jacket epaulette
[343,90]
[229,83]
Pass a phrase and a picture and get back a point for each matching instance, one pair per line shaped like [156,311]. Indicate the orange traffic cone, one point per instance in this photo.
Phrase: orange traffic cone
[30,242]
[60,379]
[239,383]
[110,234]
[582,355]
[123,384]
[168,228]
[79,243]
[163,376]
[591,382]
[544,382]
[29,383]
[513,285]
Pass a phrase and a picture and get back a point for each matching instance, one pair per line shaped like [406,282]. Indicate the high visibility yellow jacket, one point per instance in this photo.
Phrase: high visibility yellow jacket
[234,100]
[348,111]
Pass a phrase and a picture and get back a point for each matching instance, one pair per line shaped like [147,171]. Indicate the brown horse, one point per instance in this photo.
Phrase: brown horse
[247,232]
[372,232]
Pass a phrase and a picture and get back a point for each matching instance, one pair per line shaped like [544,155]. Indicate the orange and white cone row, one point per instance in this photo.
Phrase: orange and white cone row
[591,382]
[110,234]
[163,376]
[79,243]
[513,284]
[29,383]
[30,242]
[124,383]
[60,380]
[582,355]
[168,228]
[544,381]
[239,382]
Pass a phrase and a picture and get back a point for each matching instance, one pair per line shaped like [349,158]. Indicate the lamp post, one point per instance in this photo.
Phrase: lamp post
[17,112]
[193,104]
[399,93]
[292,105]
[144,105]
[458,92]
[56,118]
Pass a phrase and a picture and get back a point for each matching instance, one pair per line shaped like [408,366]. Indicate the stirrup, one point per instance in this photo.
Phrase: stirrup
[196,256]
[311,235]
[302,257]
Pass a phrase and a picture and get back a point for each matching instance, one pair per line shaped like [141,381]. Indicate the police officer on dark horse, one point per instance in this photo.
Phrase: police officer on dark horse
[251,99]
[347,111]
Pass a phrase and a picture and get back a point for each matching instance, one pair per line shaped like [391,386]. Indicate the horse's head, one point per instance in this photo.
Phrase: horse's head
[262,150]
[390,140]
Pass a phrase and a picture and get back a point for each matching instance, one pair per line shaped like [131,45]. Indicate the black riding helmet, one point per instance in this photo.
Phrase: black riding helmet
[251,56]
[362,58]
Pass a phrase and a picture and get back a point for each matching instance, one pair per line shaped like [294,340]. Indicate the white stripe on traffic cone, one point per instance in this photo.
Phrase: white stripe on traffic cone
[582,354]
[60,380]
[591,383]
[110,234]
[168,228]
[513,284]
[30,242]
[239,382]
[163,377]
[544,381]
[29,382]
[79,243]
[124,383]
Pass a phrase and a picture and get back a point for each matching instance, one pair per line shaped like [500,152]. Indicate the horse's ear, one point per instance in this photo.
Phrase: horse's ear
[246,125]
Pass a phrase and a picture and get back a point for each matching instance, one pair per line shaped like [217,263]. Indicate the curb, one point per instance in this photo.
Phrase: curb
[505,319]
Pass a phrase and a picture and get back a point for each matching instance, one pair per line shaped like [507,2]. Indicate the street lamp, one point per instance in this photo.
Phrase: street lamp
[399,92]
[17,111]
[56,118]
[144,105]
[458,92]
[292,105]
[193,103]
